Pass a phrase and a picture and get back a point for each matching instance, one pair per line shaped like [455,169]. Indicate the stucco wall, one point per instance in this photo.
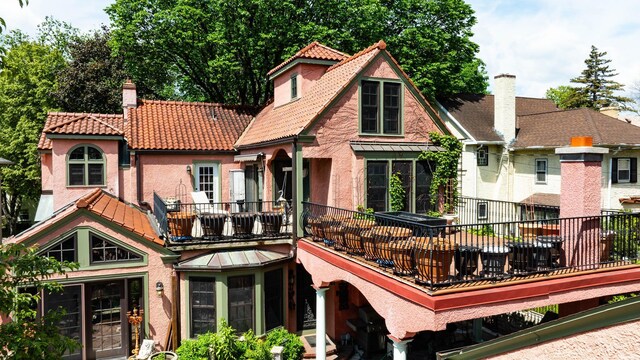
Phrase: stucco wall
[63,194]
[307,75]
[46,163]
[613,342]
[480,181]
[524,178]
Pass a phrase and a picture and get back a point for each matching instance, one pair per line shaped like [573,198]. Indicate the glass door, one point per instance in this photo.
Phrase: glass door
[208,180]
[70,325]
[108,319]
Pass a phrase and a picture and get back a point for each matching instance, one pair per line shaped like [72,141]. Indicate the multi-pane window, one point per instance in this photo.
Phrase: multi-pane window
[541,171]
[294,86]
[418,189]
[86,166]
[374,108]
[273,299]
[103,251]
[64,250]
[241,302]
[482,157]
[69,304]
[424,175]
[203,305]
[404,170]
[377,184]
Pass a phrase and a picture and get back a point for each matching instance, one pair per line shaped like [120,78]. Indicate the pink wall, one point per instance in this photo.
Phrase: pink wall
[159,311]
[340,125]
[46,163]
[613,342]
[162,173]
[307,76]
[63,194]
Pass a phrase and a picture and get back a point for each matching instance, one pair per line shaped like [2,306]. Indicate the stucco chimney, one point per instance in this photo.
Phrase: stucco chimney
[129,97]
[505,106]
[612,111]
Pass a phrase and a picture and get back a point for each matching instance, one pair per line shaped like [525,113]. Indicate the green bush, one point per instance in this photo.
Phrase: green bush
[293,347]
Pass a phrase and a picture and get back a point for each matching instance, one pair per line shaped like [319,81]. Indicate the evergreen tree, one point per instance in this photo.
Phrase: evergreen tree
[597,89]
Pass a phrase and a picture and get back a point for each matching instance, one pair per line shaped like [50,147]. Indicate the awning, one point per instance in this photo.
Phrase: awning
[45,208]
[393,147]
[232,260]
[247,157]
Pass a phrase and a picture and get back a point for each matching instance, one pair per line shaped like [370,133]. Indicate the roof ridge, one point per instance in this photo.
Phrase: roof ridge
[89,199]
[591,121]
[301,54]
[66,122]
[379,45]
[196,103]
[64,113]
[546,112]
[107,125]
[81,117]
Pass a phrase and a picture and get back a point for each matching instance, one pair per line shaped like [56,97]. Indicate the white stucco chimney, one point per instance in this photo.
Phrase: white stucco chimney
[505,106]
[612,111]
[129,97]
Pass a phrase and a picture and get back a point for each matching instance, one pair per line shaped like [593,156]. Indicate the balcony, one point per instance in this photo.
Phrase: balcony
[495,253]
[187,226]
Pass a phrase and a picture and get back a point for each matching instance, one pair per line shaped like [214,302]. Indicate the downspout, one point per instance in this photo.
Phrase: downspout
[296,187]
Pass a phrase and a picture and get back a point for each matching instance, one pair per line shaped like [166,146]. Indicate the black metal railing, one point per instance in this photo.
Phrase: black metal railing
[475,210]
[440,254]
[225,221]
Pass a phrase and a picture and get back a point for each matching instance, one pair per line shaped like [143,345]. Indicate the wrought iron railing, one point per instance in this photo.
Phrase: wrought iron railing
[475,210]
[438,254]
[183,223]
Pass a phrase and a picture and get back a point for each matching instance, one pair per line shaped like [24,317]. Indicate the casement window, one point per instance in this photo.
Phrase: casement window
[241,302]
[380,107]
[202,305]
[294,86]
[65,250]
[482,157]
[103,251]
[85,165]
[541,171]
[624,170]
[418,189]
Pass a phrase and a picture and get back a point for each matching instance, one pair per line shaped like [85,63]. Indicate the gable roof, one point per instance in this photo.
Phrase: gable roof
[274,123]
[315,51]
[62,123]
[554,129]
[196,126]
[476,112]
[107,207]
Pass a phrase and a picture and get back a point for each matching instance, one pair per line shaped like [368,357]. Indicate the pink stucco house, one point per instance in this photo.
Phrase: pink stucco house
[199,212]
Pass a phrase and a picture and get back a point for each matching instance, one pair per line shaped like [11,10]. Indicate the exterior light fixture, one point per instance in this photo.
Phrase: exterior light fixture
[159,288]
[189,169]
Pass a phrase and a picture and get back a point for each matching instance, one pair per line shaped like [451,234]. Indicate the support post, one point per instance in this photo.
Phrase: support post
[399,347]
[321,324]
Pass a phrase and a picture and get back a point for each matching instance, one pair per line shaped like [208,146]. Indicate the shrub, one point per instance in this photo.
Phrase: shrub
[293,347]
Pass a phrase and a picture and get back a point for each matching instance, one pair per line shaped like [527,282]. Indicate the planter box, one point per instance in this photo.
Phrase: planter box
[436,225]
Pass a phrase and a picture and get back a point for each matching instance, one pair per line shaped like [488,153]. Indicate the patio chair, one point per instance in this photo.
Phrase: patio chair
[210,221]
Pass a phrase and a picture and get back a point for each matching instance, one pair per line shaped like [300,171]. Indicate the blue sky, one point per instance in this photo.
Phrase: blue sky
[542,42]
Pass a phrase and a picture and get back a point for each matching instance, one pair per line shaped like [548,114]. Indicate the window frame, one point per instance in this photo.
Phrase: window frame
[57,247]
[538,172]
[381,122]
[482,210]
[251,276]
[92,262]
[86,162]
[619,170]
[211,279]
[482,160]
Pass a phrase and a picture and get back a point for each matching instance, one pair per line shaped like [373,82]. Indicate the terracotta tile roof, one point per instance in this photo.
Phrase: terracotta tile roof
[292,118]
[556,128]
[315,50]
[476,112]
[175,125]
[125,215]
[61,123]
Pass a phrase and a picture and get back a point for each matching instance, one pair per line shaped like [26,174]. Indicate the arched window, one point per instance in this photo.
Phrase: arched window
[86,166]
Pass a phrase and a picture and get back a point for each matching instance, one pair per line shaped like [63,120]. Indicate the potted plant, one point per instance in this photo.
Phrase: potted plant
[433,257]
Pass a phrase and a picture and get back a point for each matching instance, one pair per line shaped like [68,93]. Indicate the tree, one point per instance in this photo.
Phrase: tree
[597,88]
[635,96]
[566,97]
[26,80]
[93,79]
[24,276]
[221,50]
[3,24]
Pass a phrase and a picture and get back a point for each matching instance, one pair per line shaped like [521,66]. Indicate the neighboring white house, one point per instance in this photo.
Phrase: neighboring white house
[509,144]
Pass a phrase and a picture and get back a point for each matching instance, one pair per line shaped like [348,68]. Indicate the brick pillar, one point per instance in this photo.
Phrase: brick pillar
[580,195]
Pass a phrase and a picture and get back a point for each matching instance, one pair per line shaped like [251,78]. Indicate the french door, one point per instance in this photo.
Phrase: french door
[108,319]
[207,179]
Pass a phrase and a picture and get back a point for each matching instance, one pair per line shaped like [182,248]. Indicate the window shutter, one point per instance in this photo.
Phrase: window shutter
[614,171]
[634,170]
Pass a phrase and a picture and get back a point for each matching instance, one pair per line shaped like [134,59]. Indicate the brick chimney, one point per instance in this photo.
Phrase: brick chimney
[129,97]
[505,106]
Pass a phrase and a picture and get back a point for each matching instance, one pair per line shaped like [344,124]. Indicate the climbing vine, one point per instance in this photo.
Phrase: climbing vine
[445,175]
[396,192]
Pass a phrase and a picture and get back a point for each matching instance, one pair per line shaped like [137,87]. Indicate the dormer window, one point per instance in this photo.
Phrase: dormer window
[294,86]
[85,166]
[380,107]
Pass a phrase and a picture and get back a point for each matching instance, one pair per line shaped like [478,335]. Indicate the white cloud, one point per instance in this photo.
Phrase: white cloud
[545,42]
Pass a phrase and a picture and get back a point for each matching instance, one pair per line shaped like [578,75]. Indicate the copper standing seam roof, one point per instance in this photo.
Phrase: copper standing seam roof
[315,51]
[61,123]
[176,125]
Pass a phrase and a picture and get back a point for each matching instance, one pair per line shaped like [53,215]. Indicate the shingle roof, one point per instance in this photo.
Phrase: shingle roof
[61,123]
[315,50]
[476,112]
[292,118]
[175,125]
[556,128]
[120,213]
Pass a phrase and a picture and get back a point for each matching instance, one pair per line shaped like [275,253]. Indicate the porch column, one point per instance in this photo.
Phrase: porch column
[580,195]
[321,324]
[399,348]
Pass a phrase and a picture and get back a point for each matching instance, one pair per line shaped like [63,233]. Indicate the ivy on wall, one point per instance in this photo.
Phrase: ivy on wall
[396,192]
[445,175]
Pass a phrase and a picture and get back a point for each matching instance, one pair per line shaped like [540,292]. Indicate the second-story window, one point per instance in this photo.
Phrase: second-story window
[294,86]
[482,157]
[624,170]
[86,166]
[541,171]
[380,114]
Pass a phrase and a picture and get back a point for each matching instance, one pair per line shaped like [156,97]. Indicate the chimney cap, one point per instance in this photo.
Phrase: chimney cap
[504,75]
[128,84]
